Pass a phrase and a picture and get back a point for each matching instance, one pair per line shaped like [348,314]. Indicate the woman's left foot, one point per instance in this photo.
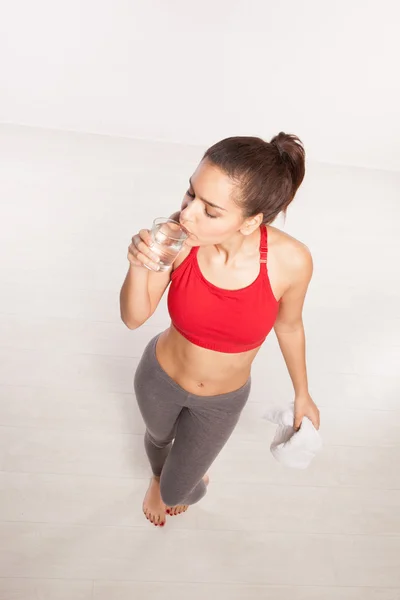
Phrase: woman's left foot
[172,511]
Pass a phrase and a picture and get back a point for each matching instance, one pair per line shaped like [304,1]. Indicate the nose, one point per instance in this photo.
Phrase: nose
[187,214]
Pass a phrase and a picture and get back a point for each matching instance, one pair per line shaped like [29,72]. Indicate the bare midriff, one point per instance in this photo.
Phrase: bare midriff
[199,370]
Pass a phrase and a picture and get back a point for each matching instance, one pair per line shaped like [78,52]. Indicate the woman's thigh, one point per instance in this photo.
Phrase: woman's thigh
[201,433]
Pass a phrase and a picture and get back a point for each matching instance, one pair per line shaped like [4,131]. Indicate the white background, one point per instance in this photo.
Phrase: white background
[194,72]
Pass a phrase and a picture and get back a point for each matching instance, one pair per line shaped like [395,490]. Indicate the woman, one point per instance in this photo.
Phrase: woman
[229,287]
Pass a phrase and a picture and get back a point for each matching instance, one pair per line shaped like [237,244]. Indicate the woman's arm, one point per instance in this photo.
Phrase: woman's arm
[143,288]
[289,331]
[140,294]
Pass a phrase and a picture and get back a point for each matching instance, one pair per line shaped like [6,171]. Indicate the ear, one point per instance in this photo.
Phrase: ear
[251,224]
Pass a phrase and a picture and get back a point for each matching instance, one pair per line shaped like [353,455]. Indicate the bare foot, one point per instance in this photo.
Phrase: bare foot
[153,506]
[181,508]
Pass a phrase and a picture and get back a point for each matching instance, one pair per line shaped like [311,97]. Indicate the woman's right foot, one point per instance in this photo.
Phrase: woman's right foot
[153,506]
[182,508]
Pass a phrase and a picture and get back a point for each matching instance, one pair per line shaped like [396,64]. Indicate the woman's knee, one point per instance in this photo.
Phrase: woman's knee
[160,443]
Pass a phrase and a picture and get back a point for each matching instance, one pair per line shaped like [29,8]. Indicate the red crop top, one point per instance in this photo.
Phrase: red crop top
[223,320]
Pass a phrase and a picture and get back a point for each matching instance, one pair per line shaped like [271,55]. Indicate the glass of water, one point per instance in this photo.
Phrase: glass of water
[168,237]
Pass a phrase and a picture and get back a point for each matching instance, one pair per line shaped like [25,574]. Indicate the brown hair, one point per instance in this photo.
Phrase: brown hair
[268,173]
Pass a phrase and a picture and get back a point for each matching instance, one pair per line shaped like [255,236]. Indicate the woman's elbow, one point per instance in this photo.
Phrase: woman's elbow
[131,324]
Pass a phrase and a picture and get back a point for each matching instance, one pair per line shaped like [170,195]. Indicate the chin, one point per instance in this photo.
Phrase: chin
[192,242]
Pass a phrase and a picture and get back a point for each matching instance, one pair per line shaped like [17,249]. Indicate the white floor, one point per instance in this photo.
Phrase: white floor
[73,469]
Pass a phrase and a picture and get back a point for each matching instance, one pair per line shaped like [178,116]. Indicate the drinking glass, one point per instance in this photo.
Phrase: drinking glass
[168,237]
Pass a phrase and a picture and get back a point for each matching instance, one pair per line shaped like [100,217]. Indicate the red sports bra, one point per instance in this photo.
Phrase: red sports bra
[223,320]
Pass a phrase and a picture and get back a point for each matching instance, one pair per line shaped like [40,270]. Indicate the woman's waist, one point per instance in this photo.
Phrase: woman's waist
[199,370]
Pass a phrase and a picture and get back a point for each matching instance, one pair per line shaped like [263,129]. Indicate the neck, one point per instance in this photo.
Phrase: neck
[236,245]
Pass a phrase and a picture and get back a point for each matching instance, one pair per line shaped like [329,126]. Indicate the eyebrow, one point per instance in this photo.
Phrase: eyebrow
[206,201]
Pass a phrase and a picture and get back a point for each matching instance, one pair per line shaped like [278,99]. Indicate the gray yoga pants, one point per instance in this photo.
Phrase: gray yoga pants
[184,432]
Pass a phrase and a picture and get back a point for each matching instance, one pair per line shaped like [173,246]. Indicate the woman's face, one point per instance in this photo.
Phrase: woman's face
[208,210]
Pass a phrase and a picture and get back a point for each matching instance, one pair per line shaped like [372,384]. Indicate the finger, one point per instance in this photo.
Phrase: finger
[142,238]
[146,262]
[140,247]
[144,249]
[145,235]
[132,257]
[132,249]
[297,423]
[140,259]
[132,253]
[314,418]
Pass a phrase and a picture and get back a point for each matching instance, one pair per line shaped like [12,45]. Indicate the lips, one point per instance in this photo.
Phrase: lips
[192,239]
[187,229]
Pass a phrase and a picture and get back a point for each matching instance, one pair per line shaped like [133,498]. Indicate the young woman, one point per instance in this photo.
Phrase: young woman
[239,278]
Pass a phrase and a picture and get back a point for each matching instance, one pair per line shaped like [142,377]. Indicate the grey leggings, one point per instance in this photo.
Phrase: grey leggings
[184,432]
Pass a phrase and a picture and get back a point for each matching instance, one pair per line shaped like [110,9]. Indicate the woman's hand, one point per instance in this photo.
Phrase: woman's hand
[304,406]
[139,251]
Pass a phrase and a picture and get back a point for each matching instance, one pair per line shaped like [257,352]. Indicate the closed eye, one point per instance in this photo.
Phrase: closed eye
[209,215]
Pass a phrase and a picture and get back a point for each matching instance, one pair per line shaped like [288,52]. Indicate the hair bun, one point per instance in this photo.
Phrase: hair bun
[291,151]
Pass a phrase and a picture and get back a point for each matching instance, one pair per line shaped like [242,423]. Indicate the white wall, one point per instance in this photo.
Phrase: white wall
[196,72]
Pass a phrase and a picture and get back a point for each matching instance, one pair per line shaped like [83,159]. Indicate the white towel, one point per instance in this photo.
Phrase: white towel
[293,448]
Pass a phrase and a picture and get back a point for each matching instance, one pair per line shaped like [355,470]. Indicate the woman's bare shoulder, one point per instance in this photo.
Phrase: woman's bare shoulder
[292,254]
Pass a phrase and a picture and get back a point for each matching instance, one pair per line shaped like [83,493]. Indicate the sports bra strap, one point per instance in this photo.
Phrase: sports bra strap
[263,245]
